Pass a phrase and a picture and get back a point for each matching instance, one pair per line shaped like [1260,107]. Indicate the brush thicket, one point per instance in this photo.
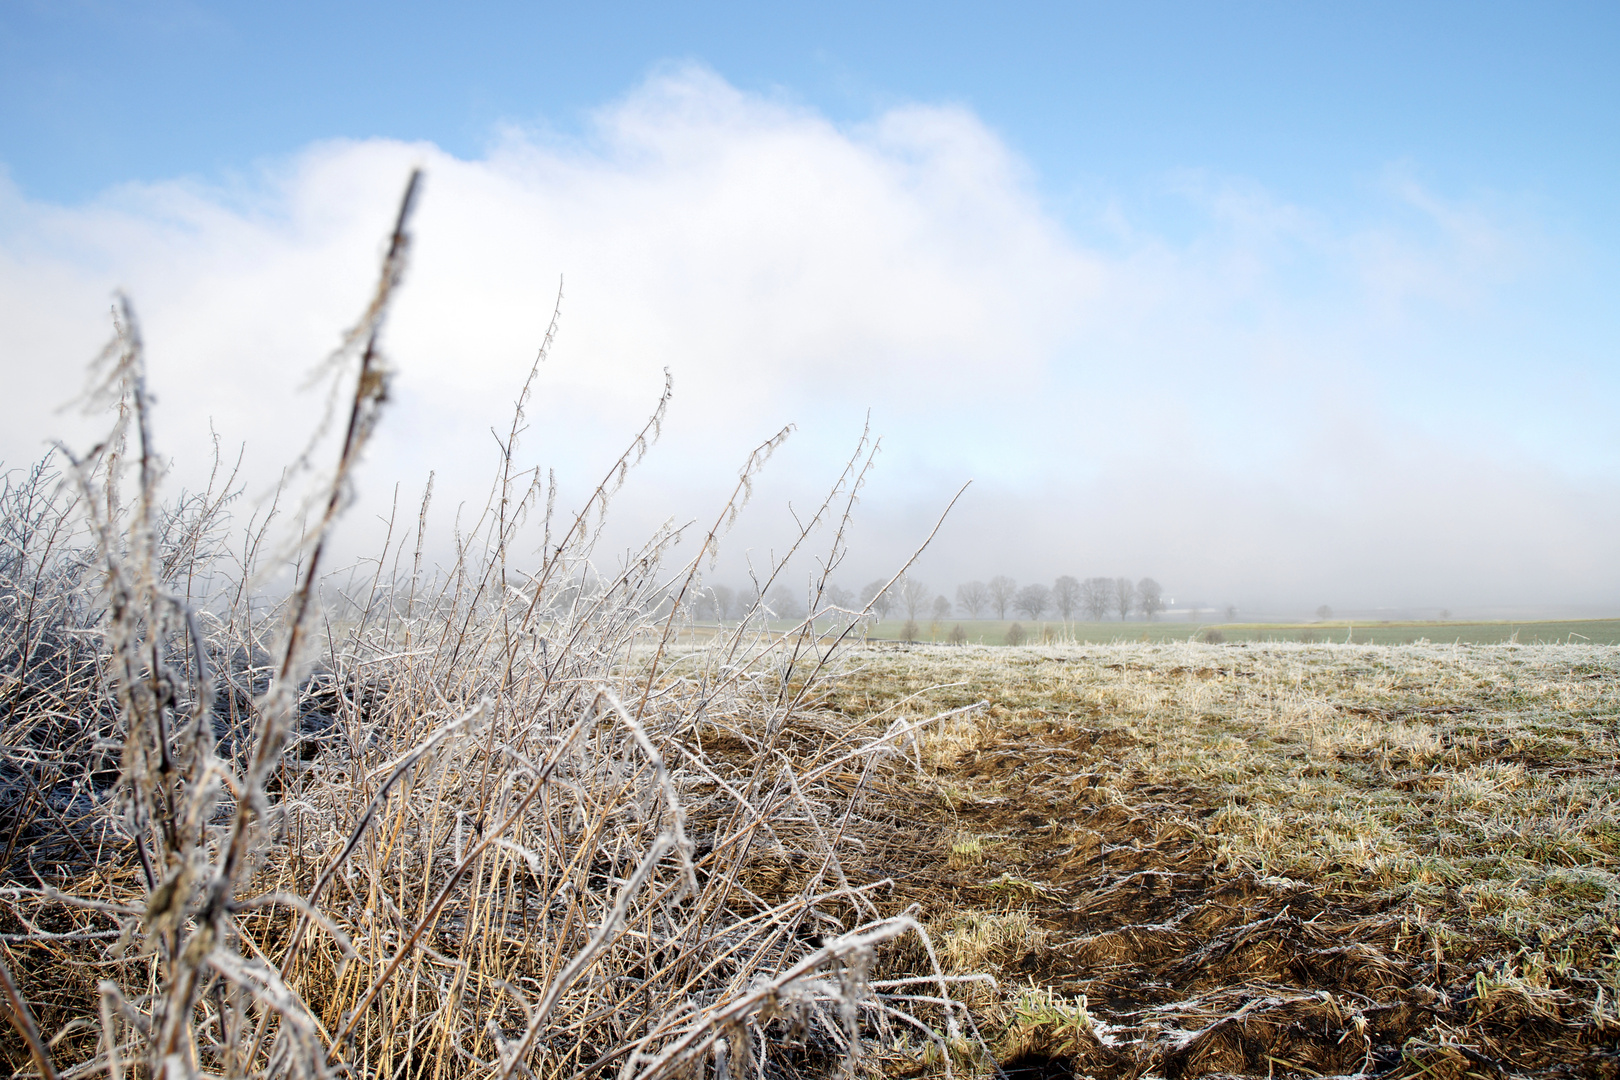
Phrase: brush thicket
[501,819]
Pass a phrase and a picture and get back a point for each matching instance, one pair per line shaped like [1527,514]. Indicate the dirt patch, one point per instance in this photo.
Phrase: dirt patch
[1191,961]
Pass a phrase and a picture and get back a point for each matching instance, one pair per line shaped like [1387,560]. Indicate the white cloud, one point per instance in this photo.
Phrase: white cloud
[1218,411]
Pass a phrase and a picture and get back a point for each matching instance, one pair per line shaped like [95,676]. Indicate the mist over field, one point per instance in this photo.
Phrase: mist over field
[1406,404]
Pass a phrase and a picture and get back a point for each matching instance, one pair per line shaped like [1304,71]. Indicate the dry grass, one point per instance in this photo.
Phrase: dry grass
[482,822]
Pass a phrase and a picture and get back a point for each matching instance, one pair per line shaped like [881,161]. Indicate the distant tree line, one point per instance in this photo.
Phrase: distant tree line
[1095,599]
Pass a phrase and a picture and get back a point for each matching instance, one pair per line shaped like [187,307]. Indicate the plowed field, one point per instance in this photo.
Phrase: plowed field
[1264,860]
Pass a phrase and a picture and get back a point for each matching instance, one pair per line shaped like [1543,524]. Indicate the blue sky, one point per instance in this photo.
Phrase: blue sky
[1281,303]
[1309,99]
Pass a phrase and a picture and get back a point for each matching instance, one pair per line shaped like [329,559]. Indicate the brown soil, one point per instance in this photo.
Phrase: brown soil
[1198,969]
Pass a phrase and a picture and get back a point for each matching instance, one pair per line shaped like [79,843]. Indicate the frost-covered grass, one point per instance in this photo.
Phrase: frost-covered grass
[1425,834]
[498,819]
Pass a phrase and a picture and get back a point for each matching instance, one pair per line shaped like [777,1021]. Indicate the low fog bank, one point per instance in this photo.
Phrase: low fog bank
[1377,412]
[1216,553]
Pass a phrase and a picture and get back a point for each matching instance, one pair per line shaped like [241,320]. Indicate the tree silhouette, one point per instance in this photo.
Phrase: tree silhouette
[1032,600]
[1066,596]
[882,604]
[1124,597]
[1097,596]
[973,598]
[1002,590]
[1149,597]
[914,596]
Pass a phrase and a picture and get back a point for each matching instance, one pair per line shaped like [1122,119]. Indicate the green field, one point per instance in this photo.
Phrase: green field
[994,631]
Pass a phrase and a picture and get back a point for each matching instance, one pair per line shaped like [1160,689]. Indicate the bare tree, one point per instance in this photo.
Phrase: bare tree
[1032,600]
[973,598]
[1002,589]
[1324,613]
[942,608]
[1231,613]
[784,603]
[1124,597]
[1066,596]
[914,597]
[882,604]
[1149,597]
[1097,596]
